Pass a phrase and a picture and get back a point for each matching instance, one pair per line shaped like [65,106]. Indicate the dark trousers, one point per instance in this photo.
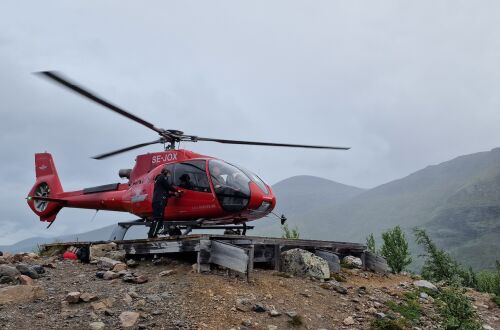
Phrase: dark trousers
[158,210]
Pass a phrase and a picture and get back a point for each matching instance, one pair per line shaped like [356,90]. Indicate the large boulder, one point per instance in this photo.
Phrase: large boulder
[8,274]
[303,263]
[105,263]
[20,294]
[425,284]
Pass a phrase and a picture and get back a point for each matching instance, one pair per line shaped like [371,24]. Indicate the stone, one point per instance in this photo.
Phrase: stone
[371,310]
[105,263]
[132,263]
[300,262]
[380,315]
[73,297]
[291,314]
[128,278]
[99,274]
[8,274]
[353,262]
[133,294]
[272,327]
[140,279]
[274,313]
[127,298]
[167,272]
[332,259]
[487,327]
[97,325]
[87,297]
[38,269]
[348,321]
[334,285]
[20,294]
[110,275]
[28,271]
[425,284]
[25,280]
[120,267]
[243,304]
[98,306]
[246,323]
[129,319]
[259,308]
[424,295]
[117,255]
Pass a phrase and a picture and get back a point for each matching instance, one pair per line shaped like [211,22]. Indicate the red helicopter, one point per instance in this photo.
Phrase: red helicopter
[214,193]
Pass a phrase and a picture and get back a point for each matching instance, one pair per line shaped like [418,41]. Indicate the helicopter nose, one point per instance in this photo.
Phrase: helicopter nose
[260,201]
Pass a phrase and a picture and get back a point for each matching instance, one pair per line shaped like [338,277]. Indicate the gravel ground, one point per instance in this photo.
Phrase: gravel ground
[218,300]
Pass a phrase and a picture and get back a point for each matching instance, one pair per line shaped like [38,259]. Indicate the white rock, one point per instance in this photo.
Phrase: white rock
[348,320]
[303,263]
[353,261]
[129,319]
[97,325]
[425,284]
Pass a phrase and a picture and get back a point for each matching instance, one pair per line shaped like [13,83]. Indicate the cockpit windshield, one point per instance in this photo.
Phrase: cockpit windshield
[231,185]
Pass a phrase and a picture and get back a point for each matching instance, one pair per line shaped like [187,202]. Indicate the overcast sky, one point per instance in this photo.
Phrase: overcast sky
[405,84]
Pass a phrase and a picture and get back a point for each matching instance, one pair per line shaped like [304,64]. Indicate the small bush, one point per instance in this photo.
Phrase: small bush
[456,310]
[395,249]
[370,244]
[289,233]
[410,310]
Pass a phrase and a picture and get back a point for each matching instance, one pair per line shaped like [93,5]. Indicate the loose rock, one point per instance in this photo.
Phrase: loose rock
[352,262]
[73,297]
[129,319]
[97,325]
[425,284]
[8,274]
[348,320]
[20,294]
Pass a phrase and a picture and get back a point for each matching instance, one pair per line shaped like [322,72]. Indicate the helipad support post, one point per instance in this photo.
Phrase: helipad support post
[203,259]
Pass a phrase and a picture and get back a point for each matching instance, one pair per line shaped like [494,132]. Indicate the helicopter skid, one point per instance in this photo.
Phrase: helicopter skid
[122,227]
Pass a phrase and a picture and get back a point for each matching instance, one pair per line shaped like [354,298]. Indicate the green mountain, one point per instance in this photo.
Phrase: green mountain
[457,201]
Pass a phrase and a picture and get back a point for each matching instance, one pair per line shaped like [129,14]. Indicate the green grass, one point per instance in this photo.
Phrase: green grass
[388,324]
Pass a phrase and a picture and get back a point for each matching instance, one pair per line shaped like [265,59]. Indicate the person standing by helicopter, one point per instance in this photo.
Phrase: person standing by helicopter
[162,189]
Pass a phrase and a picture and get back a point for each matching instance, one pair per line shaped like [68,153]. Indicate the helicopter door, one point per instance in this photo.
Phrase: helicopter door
[197,200]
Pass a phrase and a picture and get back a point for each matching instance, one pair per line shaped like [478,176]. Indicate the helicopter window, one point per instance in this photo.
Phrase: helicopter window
[258,181]
[231,185]
[191,175]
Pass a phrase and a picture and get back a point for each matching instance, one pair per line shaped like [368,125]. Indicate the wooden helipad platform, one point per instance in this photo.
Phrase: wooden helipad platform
[236,252]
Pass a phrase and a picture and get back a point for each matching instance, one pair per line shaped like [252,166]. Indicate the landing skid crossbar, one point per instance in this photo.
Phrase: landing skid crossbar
[121,228]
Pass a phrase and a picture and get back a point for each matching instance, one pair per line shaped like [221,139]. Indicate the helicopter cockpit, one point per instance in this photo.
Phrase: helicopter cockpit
[231,185]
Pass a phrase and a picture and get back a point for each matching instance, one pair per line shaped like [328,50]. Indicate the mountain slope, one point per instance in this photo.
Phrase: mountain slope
[458,201]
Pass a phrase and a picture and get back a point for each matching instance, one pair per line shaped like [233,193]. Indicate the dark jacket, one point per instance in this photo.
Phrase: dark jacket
[162,187]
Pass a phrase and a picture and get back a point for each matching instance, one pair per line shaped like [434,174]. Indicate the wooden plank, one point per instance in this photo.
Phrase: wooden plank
[204,253]
[251,250]
[277,257]
[229,256]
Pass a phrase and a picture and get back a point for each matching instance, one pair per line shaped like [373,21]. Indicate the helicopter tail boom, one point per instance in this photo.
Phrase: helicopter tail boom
[42,197]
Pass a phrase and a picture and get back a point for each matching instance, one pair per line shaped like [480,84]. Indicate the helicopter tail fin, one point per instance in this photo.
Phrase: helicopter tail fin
[43,196]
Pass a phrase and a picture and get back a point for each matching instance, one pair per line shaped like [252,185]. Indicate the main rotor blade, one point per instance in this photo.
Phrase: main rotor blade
[58,78]
[119,151]
[271,144]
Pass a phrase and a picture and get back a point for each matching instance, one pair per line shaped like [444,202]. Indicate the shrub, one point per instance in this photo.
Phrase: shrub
[438,265]
[289,233]
[395,249]
[370,244]
[456,310]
